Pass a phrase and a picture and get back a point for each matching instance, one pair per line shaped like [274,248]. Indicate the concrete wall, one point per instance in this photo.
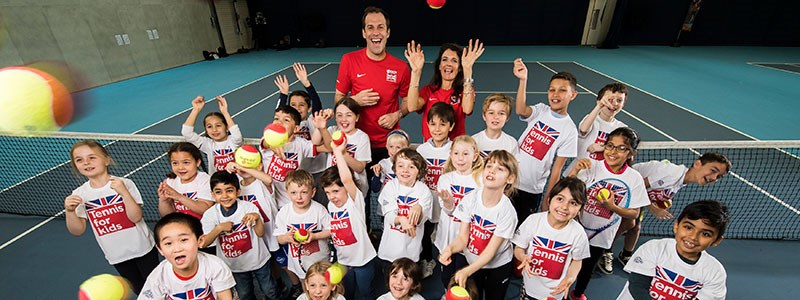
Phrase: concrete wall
[81,35]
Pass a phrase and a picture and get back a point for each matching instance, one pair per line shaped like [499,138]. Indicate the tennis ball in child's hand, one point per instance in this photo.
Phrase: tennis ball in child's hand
[301,235]
[275,135]
[335,273]
[436,4]
[663,204]
[603,194]
[104,287]
[338,137]
[457,293]
[34,101]
[247,156]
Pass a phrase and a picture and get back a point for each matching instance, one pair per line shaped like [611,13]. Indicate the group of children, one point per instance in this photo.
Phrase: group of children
[478,200]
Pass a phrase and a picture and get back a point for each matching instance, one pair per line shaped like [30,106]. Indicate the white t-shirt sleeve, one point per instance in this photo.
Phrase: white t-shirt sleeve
[569,148]
[363,150]
[220,275]
[133,190]
[281,219]
[580,248]
[644,260]
[524,233]
[188,133]
[506,224]
[236,135]
[154,287]
[386,200]
[715,288]
[204,188]
[209,220]
[535,111]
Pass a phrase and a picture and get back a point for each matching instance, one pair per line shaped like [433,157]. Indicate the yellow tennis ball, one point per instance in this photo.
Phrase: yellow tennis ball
[33,101]
[457,293]
[104,287]
[247,156]
[603,194]
[275,135]
[335,273]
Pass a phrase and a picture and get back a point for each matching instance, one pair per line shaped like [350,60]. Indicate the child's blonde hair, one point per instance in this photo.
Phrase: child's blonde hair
[497,97]
[92,144]
[398,135]
[319,268]
[477,163]
[300,177]
[508,161]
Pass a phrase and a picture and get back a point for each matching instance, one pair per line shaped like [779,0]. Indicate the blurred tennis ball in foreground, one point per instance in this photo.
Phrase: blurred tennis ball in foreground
[33,101]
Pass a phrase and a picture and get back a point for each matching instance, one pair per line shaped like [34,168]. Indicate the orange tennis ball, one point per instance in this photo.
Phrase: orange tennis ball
[436,4]
[602,194]
[335,273]
[275,135]
[338,137]
[247,156]
[301,235]
[104,287]
[663,204]
[34,101]
[457,293]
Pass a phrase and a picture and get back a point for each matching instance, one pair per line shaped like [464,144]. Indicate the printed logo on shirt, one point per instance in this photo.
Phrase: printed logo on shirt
[203,293]
[350,150]
[404,204]
[435,169]
[601,139]
[278,168]
[548,257]
[236,242]
[480,232]
[304,133]
[179,207]
[253,199]
[458,194]
[388,177]
[669,285]
[222,157]
[391,75]
[107,214]
[539,140]
[342,229]
[592,207]
[309,248]
[660,195]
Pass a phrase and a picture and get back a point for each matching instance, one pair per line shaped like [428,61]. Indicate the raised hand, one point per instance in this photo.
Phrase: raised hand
[300,72]
[118,185]
[282,83]
[198,103]
[223,105]
[415,56]
[251,219]
[447,199]
[520,70]
[320,120]
[471,54]
[72,202]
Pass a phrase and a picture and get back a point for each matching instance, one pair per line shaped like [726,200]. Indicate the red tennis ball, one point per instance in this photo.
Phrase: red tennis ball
[247,156]
[457,293]
[338,137]
[436,4]
[301,235]
[35,101]
[275,135]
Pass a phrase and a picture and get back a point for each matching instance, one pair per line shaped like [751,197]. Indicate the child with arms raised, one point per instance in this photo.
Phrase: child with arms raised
[113,207]
[222,134]
[346,112]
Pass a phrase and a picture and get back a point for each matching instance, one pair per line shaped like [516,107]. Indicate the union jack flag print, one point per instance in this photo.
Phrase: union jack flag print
[103,201]
[551,244]
[546,129]
[673,286]
[204,293]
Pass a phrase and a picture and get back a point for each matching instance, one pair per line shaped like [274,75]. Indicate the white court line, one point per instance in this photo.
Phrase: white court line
[26,232]
[774,68]
[734,174]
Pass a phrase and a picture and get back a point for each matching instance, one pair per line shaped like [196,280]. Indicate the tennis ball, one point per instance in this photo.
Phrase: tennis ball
[275,135]
[338,137]
[247,156]
[34,100]
[663,204]
[602,194]
[436,4]
[335,273]
[456,293]
[104,287]
[301,235]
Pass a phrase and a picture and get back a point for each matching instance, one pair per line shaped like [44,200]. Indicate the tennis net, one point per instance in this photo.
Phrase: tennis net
[761,191]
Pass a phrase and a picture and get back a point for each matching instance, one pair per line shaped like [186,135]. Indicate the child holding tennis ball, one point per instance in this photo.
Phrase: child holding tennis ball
[222,134]
[601,215]
[113,207]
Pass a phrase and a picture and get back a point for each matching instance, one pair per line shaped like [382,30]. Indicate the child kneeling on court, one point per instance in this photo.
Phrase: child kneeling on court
[682,267]
[185,271]
[239,227]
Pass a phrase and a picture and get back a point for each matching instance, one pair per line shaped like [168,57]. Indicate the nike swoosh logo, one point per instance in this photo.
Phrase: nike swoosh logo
[361,75]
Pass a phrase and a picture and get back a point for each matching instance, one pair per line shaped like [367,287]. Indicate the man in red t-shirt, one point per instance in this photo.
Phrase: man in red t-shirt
[375,79]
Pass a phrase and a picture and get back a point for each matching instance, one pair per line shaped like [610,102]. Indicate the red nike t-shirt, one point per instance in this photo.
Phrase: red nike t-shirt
[389,77]
[446,96]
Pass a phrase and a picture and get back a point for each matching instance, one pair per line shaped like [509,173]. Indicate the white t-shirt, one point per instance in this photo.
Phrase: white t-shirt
[548,135]
[665,179]
[199,188]
[118,237]
[597,133]
[304,297]
[599,222]
[388,296]
[504,142]
[240,248]
[212,277]
[458,185]
[314,164]
[551,251]
[315,219]
[486,222]
[387,174]
[435,159]
[295,151]
[219,154]
[673,278]
[357,147]
[257,193]
[396,200]
[349,232]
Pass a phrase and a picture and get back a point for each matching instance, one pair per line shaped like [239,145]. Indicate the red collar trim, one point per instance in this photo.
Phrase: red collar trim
[624,167]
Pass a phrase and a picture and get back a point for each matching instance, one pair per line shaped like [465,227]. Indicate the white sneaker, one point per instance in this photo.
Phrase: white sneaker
[606,263]
[427,268]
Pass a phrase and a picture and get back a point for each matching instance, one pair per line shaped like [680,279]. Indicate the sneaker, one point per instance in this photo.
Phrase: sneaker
[606,263]
[623,258]
[427,268]
[573,297]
